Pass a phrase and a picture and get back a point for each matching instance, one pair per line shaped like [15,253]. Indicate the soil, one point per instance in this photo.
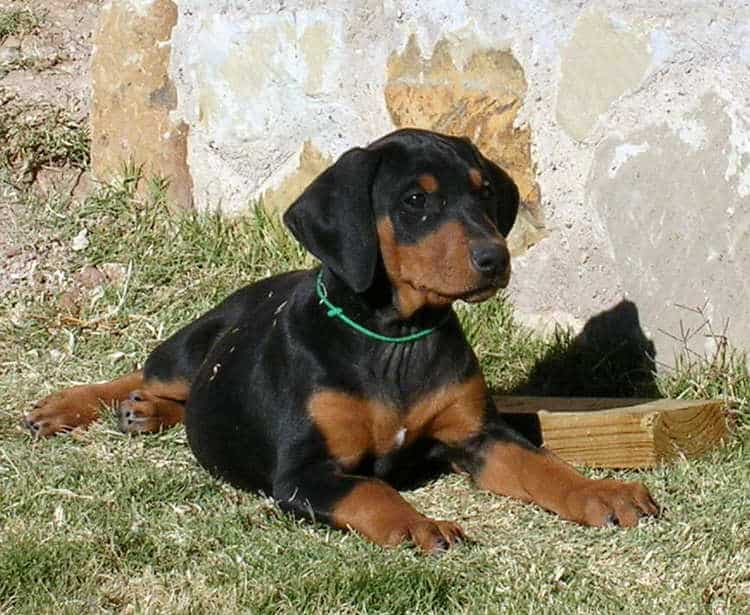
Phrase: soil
[60,48]
[46,66]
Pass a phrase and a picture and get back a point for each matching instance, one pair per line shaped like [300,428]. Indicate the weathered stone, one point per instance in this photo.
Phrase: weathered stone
[678,231]
[481,100]
[311,164]
[10,53]
[133,96]
[316,46]
[599,64]
[256,80]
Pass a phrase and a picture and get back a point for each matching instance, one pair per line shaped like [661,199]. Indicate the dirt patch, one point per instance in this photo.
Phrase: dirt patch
[45,91]
[47,57]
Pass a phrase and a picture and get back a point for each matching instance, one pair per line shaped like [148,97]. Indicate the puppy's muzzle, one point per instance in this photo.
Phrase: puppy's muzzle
[491,260]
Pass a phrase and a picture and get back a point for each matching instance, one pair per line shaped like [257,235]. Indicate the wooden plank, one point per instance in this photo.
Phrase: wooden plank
[622,433]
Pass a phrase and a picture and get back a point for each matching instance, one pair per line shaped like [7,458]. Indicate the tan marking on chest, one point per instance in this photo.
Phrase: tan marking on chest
[451,414]
[353,427]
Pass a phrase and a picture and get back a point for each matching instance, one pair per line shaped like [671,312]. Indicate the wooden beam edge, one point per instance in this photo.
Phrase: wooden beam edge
[622,432]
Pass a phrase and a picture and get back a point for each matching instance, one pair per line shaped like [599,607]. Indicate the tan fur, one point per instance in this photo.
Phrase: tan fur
[81,405]
[432,272]
[475,178]
[539,476]
[160,404]
[176,390]
[451,414]
[353,427]
[428,182]
[378,512]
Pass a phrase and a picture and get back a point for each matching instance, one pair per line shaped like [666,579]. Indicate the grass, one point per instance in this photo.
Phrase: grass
[99,522]
[14,22]
[34,62]
[38,136]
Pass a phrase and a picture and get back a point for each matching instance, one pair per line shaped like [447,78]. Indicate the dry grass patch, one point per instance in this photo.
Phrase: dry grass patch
[15,21]
[96,521]
[39,136]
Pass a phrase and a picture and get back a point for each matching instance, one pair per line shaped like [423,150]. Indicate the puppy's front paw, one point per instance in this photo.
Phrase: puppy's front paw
[433,536]
[604,503]
[144,412]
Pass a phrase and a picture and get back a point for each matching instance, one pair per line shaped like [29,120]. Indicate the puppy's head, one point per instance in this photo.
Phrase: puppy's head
[429,207]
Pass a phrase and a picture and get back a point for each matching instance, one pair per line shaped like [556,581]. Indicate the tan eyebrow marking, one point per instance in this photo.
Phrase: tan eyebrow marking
[428,182]
[475,178]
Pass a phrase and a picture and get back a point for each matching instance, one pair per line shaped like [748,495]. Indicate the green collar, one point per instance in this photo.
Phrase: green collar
[335,311]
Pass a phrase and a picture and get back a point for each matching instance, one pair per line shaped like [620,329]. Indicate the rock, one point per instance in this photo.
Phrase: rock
[599,64]
[479,99]
[81,241]
[311,164]
[133,96]
[10,54]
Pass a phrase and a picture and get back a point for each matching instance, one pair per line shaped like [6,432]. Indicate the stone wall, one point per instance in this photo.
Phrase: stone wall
[626,126]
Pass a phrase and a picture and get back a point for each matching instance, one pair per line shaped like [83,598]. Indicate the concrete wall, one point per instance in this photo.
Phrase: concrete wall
[626,126]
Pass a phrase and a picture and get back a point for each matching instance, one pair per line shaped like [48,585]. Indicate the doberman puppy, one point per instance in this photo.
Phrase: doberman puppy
[317,387]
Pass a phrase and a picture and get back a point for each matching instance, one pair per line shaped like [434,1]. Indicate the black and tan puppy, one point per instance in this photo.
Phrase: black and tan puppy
[320,387]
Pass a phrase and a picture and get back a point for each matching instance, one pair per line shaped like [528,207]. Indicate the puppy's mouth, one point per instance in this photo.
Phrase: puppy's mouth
[484,291]
[473,295]
[479,294]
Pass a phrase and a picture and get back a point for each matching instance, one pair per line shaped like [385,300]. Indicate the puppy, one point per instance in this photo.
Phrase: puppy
[322,387]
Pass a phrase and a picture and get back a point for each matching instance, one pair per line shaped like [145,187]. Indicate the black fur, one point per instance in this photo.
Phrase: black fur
[255,360]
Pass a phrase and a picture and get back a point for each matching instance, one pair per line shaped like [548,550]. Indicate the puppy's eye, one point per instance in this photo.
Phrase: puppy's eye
[486,191]
[416,200]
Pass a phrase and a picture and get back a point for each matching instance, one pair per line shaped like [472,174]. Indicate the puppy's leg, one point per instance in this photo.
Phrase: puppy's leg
[78,406]
[511,467]
[368,506]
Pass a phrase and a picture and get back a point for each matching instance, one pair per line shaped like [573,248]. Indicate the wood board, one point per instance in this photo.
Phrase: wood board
[622,432]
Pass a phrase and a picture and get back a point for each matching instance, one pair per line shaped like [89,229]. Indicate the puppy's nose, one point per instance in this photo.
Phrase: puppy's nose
[489,259]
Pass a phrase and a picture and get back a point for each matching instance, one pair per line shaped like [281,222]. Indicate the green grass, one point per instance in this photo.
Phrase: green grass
[99,522]
[18,63]
[14,22]
[34,137]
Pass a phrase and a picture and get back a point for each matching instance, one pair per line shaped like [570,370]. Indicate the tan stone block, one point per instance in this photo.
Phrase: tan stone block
[479,100]
[311,164]
[133,96]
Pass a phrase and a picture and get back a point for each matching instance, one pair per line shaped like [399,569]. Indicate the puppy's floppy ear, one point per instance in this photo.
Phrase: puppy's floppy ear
[334,218]
[507,196]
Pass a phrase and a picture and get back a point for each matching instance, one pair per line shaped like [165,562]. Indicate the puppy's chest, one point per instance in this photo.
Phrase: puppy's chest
[355,427]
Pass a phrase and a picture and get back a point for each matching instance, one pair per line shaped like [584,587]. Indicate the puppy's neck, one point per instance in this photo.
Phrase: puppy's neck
[378,307]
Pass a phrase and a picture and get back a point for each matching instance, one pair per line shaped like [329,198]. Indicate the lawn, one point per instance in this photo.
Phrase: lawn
[95,521]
